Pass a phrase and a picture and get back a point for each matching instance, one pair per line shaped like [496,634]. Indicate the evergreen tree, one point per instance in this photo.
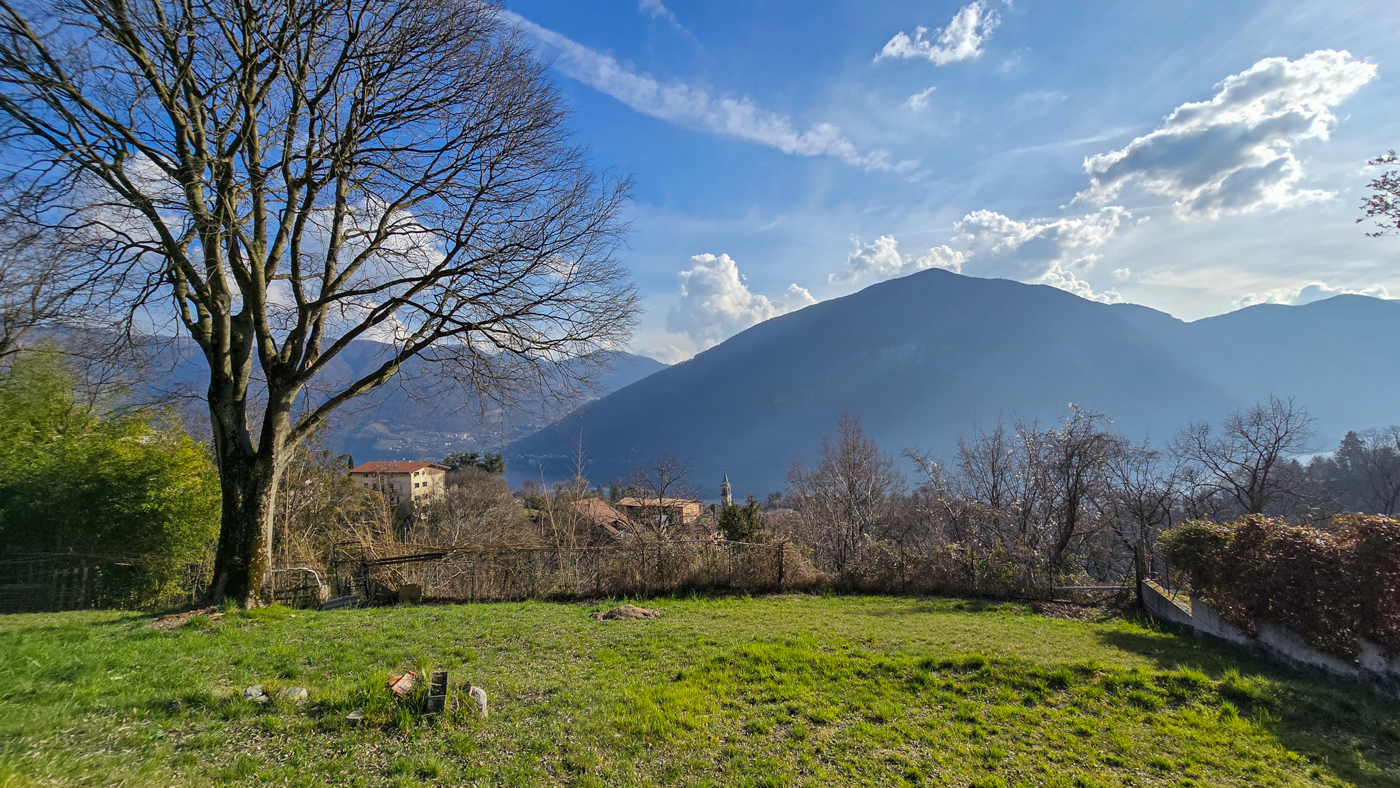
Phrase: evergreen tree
[743,523]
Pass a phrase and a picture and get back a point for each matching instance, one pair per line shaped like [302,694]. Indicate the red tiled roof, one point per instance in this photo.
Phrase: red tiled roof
[386,466]
[628,503]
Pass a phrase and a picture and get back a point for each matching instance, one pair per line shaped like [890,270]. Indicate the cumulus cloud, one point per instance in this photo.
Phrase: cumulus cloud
[1030,247]
[1122,274]
[694,107]
[919,100]
[1235,152]
[1057,276]
[1308,293]
[882,259]
[962,39]
[715,302]
[1052,251]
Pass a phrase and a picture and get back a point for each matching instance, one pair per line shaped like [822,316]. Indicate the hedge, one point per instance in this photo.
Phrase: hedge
[1334,586]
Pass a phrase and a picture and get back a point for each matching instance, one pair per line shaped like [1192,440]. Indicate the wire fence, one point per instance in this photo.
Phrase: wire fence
[46,582]
[636,569]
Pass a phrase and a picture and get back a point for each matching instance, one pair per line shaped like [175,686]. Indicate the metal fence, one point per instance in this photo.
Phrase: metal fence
[634,569]
[61,581]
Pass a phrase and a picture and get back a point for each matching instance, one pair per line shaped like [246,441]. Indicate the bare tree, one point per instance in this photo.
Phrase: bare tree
[41,284]
[477,512]
[1382,205]
[849,498]
[1074,462]
[657,484]
[1367,471]
[280,179]
[316,493]
[1145,494]
[561,519]
[1246,459]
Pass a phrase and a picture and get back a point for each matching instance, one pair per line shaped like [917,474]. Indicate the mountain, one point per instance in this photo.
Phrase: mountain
[405,419]
[926,357]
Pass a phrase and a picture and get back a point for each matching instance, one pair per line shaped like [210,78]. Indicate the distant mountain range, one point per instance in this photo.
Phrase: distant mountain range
[925,357]
[401,420]
[397,422]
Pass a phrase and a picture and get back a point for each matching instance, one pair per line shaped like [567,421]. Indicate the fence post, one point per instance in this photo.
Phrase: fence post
[782,554]
[1141,568]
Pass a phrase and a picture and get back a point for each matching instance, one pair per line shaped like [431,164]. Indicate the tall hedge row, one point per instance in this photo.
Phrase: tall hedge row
[1334,586]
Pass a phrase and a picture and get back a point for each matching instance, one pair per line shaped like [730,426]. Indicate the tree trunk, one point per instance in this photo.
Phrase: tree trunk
[248,479]
[249,486]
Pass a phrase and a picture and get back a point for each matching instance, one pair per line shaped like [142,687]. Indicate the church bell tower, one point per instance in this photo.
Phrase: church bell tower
[726,498]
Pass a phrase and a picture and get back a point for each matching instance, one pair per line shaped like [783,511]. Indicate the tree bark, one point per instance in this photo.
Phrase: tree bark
[248,478]
[249,486]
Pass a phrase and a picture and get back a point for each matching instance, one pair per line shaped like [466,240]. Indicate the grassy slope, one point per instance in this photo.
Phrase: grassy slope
[775,691]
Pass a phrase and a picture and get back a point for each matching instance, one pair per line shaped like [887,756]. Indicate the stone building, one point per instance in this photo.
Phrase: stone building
[402,482]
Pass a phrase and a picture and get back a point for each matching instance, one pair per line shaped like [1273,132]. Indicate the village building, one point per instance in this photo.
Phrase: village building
[402,482]
[682,511]
[602,519]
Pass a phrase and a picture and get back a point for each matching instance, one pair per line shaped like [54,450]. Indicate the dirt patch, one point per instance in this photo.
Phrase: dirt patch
[625,613]
[1073,612]
[176,620]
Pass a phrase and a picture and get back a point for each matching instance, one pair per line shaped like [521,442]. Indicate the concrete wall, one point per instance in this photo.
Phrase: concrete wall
[1162,606]
[1206,621]
[1289,647]
[1375,667]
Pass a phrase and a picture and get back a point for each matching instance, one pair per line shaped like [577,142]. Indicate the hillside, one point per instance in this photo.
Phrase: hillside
[923,358]
[408,418]
[790,690]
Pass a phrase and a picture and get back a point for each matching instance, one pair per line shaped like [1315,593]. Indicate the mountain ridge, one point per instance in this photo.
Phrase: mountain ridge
[925,357]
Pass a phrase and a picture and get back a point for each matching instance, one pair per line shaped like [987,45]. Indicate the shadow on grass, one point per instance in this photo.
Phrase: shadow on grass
[1340,727]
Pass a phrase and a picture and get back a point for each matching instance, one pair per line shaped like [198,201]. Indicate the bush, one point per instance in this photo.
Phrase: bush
[1334,587]
[125,484]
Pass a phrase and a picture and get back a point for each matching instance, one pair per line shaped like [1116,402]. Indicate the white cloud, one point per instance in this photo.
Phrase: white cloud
[962,39]
[1029,248]
[1057,276]
[656,9]
[1234,153]
[882,260]
[1051,251]
[1122,274]
[1308,293]
[694,107]
[919,100]
[715,302]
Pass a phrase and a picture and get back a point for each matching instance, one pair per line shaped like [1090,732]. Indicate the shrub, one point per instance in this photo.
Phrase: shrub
[128,484]
[1334,587]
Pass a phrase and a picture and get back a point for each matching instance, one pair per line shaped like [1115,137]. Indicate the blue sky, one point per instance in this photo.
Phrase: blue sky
[1191,156]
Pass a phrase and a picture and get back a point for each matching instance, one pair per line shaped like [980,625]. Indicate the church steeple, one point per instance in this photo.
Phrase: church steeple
[726,498]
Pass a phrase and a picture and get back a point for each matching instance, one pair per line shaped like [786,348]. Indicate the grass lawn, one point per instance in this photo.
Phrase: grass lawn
[764,692]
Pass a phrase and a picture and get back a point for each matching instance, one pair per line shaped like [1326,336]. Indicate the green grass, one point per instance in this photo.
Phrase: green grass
[783,691]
